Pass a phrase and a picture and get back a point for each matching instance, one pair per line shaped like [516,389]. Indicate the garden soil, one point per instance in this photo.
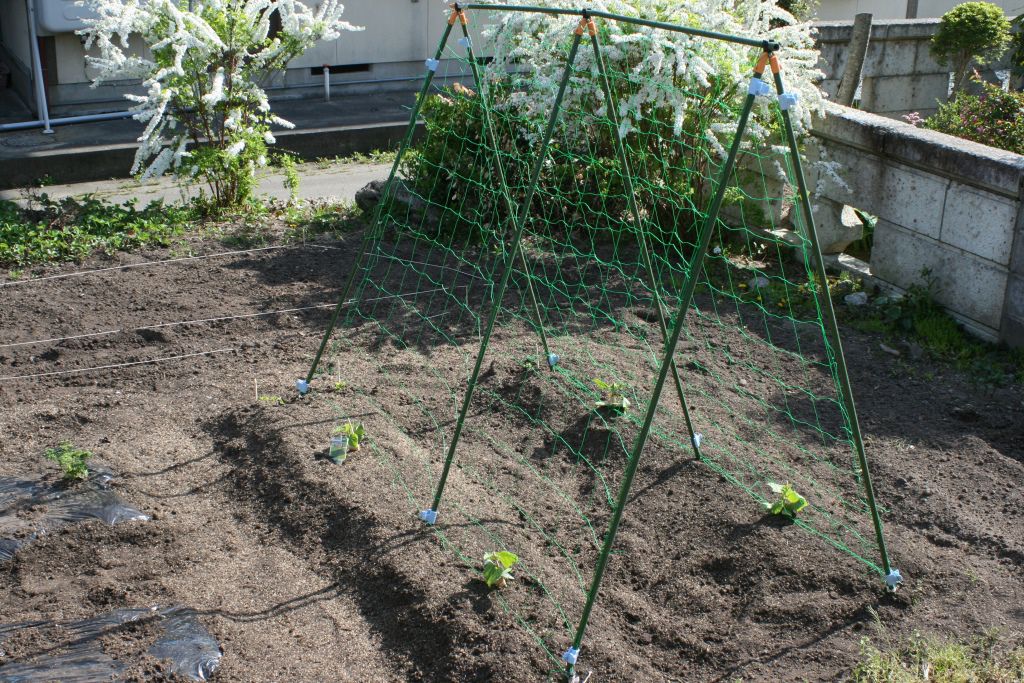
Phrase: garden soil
[307,571]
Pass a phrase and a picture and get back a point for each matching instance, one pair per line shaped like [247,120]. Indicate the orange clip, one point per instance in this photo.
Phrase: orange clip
[774,61]
[582,27]
[762,62]
[591,27]
[457,13]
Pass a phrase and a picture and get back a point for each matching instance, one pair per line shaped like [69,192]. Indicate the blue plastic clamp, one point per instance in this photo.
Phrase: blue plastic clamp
[303,387]
[571,655]
[788,100]
[465,42]
[697,438]
[432,64]
[428,516]
[893,579]
[758,87]
[553,359]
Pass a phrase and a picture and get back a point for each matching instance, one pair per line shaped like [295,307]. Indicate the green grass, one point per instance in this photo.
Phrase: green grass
[929,660]
[373,157]
[55,231]
[917,318]
[51,230]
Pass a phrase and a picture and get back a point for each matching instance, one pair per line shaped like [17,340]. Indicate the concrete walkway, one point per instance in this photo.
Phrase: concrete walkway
[102,150]
[337,179]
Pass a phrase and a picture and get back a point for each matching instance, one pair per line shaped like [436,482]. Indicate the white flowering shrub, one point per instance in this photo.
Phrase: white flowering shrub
[678,98]
[678,74]
[206,115]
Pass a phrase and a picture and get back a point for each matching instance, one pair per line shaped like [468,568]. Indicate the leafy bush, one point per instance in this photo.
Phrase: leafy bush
[970,33]
[205,111]
[70,229]
[678,96]
[995,117]
[1017,59]
[801,9]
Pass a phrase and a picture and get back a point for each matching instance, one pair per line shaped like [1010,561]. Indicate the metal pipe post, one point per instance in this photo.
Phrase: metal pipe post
[892,576]
[42,109]
[524,213]
[303,385]
[551,359]
[641,440]
[645,251]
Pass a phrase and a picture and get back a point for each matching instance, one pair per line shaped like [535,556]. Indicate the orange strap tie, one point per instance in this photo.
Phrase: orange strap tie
[762,62]
[586,24]
[457,14]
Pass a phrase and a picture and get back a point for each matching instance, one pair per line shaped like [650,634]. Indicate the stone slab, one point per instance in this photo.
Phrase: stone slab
[979,222]
[972,287]
[913,199]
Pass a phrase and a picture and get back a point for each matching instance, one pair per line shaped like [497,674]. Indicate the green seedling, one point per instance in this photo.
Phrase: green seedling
[789,502]
[498,568]
[71,461]
[529,365]
[340,386]
[272,399]
[613,395]
[345,439]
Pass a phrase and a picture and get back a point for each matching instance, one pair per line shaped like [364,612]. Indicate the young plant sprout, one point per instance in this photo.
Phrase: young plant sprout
[498,568]
[71,461]
[345,439]
[789,502]
[613,395]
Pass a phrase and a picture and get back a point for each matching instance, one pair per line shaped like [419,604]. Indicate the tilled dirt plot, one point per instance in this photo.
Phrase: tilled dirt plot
[305,571]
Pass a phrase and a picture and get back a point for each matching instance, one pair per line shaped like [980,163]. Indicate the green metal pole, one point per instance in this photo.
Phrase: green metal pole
[368,236]
[892,576]
[766,45]
[551,358]
[645,252]
[430,516]
[641,440]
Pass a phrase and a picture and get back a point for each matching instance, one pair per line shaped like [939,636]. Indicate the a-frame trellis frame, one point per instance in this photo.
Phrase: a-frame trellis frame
[758,87]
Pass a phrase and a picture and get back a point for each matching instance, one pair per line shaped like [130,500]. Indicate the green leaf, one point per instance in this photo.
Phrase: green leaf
[506,558]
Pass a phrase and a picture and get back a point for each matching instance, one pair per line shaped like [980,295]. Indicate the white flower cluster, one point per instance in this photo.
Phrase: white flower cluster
[668,71]
[202,69]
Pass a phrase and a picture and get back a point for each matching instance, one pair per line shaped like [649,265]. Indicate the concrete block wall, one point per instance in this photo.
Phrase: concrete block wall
[900,75]
[950,206]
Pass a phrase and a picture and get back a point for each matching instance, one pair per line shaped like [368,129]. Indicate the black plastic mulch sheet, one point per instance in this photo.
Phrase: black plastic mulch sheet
[30,508]
[78,657]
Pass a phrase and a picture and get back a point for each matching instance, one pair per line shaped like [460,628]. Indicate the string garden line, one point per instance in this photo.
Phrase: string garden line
[583,239]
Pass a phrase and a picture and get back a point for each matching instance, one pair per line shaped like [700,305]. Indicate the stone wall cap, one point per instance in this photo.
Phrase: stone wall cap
[881,29]
[968,162]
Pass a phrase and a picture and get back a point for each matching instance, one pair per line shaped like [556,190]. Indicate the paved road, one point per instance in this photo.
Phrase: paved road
[339,179]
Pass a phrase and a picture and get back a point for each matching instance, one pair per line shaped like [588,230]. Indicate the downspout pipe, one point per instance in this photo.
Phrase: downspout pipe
[42,111]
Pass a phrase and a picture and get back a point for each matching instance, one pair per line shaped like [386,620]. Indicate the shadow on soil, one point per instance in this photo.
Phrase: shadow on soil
[356,551]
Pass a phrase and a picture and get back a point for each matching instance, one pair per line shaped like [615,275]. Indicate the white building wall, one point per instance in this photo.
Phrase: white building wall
[14,33]
[836,10]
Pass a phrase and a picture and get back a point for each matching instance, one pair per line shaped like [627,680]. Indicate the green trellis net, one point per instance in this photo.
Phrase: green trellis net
[539,463]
